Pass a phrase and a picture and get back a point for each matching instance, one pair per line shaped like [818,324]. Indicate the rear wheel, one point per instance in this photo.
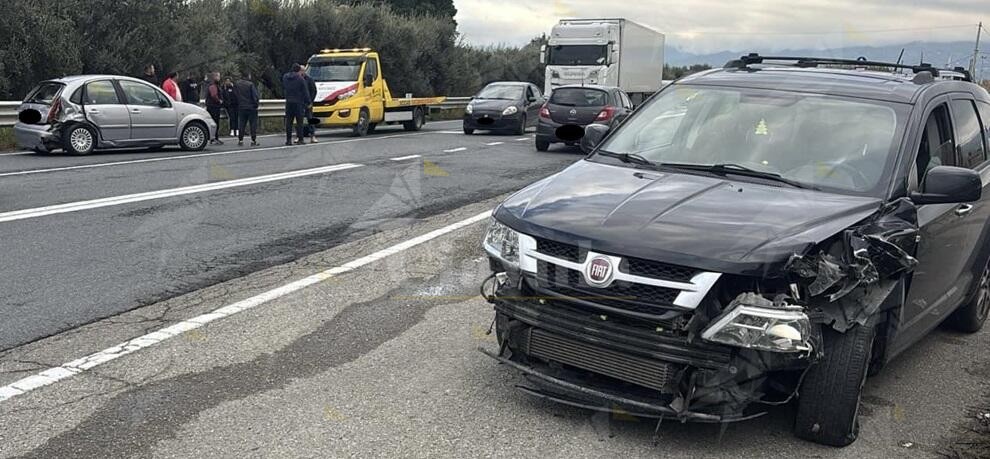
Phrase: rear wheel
[542,145]
[371,127]
[521,128]
[468,131]
[79,140]
[970,316]
[364,120]
[829,397]
[419,119]
[193,137]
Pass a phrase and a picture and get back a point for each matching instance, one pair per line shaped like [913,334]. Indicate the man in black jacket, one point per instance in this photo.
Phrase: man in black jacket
[297,98]
[311,85]
[248,99]
[190,89]
[214,103]
[150,76]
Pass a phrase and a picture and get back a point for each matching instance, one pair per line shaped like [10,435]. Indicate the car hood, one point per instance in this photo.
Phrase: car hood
[492,105]
[711,223]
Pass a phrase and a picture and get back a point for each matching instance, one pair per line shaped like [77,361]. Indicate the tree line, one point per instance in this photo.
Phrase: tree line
[421,50]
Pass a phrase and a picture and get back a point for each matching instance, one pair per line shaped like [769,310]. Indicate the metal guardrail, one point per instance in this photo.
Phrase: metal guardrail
[267,108]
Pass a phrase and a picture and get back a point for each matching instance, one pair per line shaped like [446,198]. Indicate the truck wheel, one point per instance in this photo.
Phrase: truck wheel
[372,127]
[521,129]
[970,316]
[829,397]
[79,140]
[542,145]
[364,119]
[417,122]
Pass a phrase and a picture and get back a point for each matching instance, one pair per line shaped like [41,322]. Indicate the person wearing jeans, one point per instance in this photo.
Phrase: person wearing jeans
[248,99]
[297,99]
[214,104]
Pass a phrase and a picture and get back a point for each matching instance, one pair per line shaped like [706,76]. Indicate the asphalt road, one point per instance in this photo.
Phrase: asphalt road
[377,357]
[63,270]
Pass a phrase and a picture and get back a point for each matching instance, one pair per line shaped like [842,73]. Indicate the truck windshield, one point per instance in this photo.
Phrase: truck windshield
[501,91]
[577,55]
[335,69]
[824,142]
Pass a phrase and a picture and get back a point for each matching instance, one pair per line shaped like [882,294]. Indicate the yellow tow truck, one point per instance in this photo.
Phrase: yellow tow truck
[351,92]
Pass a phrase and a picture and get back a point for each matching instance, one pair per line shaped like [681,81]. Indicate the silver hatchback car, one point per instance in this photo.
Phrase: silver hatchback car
[80,114]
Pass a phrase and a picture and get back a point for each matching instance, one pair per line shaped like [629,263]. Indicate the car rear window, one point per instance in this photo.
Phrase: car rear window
[44,93]
[579,97]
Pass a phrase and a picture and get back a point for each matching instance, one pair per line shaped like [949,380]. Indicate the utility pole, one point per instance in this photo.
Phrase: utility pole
[976,51]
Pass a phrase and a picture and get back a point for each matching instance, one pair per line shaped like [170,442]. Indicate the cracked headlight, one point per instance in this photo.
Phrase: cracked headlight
[510,111]
[469,109]
[765,329]
[502,242]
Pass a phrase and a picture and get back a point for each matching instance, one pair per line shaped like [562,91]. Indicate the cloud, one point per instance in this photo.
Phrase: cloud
[714,25]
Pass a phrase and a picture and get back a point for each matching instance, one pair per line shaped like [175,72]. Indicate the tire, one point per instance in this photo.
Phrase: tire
[521,129]
[364,120]
[419,119]
[829,397]
[542,145]
[79,139]
[371,127]
[970,316]
[194,137]
[468,131]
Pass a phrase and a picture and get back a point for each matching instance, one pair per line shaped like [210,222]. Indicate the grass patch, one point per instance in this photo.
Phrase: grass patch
[7,141]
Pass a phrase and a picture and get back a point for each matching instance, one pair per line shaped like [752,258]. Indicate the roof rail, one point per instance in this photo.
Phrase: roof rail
[754,58]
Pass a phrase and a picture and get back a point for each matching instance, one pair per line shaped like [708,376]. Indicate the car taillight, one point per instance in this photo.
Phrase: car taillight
[605,114]
[544,112]
[54,111]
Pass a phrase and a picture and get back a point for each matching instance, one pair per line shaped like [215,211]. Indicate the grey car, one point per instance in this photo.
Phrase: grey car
[510,106]
[81,114]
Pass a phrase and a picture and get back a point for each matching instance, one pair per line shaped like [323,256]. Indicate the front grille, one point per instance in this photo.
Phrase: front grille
[657,270]
[628,296]
[560,250]
[637,370]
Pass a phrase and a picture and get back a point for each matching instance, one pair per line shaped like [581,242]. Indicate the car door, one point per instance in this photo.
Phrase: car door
[941,278]
[534,100]
[103,108]
[152,114]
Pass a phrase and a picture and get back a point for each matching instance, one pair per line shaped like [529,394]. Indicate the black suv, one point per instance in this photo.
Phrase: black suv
[774,230]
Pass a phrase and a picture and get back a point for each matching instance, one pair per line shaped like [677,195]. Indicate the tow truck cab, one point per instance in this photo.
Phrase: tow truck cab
[351,92]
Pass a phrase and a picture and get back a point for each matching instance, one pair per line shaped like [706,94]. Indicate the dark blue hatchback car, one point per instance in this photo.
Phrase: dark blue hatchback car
[767,233]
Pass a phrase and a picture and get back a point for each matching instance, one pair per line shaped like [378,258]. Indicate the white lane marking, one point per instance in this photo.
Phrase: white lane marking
[203,155]
[17,153]
[449,132]
[455,150]
[78,366]
[118,200]
[521,139]
[492,144]
[403,158]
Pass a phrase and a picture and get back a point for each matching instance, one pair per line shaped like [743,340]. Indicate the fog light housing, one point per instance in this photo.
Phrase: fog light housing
[776,329]
[344,113]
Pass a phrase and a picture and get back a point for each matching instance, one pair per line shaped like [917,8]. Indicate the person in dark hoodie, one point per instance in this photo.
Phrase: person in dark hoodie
[190,89]
[214,103]
[297,98]
[150,76]
[311,85]
[248,99]
[230,105]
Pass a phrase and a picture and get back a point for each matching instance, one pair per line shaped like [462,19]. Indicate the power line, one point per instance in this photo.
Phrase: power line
[838,32]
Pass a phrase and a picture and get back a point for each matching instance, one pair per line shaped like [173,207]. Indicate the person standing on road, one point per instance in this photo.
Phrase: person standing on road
[171,86]
[230,104]
[149,75]
[190,89]
[247,108]
[310,126]
[214,104]
[297,98]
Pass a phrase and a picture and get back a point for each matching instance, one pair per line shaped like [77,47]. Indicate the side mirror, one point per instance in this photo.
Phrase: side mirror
[593,135]
[949,185]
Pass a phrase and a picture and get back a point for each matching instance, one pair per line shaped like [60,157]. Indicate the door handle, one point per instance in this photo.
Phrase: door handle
[964,209]
[135,110]
[93,111]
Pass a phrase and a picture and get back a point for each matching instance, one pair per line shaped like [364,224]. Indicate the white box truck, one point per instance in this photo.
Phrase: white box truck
[609,52]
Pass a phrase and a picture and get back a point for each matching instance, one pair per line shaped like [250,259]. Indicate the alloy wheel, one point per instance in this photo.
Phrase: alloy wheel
[81,139]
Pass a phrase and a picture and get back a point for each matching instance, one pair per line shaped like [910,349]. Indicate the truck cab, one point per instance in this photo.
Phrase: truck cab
[351,92]
[582,53]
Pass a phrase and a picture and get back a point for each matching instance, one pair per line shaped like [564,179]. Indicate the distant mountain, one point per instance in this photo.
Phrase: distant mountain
[955,53]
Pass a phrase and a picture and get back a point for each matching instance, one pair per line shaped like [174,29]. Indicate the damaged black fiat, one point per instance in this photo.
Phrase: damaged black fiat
[770,232]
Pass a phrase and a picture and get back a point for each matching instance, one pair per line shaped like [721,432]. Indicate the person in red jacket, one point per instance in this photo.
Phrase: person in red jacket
[171,86]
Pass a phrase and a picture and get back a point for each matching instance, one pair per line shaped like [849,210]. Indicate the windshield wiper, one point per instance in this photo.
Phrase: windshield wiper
[631,158]
[736,169]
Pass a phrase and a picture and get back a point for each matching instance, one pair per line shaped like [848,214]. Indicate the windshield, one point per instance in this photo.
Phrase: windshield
[501,91]
[335,69]
[579,97]
[577,55]
[820,141]
[45,93]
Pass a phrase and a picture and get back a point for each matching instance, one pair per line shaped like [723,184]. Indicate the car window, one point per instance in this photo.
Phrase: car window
[501,91]
[625,100]
[984,109]
[579,97]
[371,68]
[936,147]
[140,93]
[45,93]
[101,93]
[969,133]
[529,93]
[536,92]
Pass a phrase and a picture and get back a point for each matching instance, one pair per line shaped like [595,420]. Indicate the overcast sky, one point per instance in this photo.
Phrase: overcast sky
[717,25]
